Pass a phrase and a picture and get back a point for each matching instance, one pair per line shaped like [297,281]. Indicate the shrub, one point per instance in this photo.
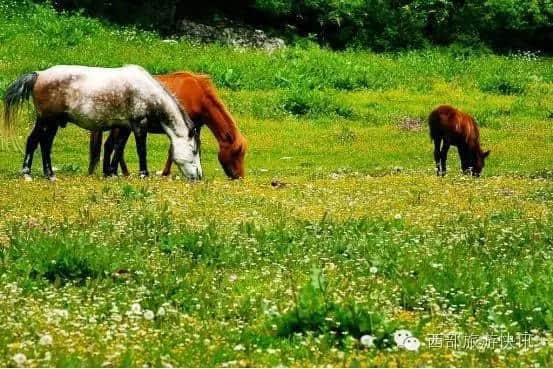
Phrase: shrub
[61,260]
[128,192]
[315,312]
[503,85]
[314,103]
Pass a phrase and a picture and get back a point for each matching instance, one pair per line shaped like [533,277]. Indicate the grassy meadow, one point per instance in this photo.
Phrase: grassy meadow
[340,229]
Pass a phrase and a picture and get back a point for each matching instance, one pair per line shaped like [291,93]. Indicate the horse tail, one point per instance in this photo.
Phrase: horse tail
[95,151]
[434,124]
[20,90]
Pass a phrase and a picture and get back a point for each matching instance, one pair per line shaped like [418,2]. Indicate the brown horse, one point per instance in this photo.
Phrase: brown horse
[453,127]
[197,94]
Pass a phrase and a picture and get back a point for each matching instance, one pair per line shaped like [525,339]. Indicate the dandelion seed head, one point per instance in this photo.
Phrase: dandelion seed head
[239,347]
[161,311]
[19,359]
[367,340]
[149,315]
[136,308]
[46,340]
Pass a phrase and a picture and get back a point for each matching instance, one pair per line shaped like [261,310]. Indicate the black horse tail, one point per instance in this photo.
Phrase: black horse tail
[95,150]
[434,124]
[18,92]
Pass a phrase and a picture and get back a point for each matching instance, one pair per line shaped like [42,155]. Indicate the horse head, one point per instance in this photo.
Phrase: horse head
[186,154]
[479,162]
[231,157]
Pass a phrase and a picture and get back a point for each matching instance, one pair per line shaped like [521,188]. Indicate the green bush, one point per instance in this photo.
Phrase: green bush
[313,103]
[374,24]
[315,312]
[60,261]
[503,85]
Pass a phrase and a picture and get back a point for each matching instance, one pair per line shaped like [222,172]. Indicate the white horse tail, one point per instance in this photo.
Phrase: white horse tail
[20,90]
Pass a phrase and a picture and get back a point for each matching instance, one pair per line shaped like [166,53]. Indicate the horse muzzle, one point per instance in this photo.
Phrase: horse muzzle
[191,171]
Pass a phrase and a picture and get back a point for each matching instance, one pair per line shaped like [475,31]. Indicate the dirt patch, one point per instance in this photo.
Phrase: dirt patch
[410,124]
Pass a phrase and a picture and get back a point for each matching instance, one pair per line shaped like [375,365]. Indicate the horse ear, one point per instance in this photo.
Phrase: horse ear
[486,154]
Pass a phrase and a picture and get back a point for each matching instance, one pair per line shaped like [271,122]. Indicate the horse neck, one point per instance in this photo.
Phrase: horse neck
[177,117]
[220,122]
[474,139]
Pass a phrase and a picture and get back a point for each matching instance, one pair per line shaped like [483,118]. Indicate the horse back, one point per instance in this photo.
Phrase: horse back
[89,94]
[187,89]
[453,125]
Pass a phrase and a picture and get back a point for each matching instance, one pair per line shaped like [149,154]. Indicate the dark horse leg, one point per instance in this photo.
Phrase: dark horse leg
[47,139]
[437,156]
[32,142]
[443,156]
[168,163]
[122,162]
[140,136]
[119,141]
[43,132]
[95,150]
[465,162]
[109,146]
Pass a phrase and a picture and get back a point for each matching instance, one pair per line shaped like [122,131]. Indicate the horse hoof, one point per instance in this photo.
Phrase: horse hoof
[51,178]
[143,175]
[27,177]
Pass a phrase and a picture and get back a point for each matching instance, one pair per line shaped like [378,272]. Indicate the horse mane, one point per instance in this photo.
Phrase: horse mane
[182,110]
[228,131]
[473,138]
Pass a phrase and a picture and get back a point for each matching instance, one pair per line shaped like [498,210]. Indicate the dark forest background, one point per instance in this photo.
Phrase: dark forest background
[379,25]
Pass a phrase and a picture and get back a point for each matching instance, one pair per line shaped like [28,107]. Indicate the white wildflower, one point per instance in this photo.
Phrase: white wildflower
[46,340]
[136,309]
[62,313]
[239,347]
[149,315]
[367,340]
[19,359]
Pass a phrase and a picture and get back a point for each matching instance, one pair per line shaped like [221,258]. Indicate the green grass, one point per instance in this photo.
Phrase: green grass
[358,237]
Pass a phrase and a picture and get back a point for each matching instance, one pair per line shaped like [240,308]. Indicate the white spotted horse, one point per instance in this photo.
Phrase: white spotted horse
[99,99]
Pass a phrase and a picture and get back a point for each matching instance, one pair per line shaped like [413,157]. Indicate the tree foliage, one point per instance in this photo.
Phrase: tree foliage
[375,24]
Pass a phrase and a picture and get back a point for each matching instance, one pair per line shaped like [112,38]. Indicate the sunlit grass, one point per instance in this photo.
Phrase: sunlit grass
[158,272]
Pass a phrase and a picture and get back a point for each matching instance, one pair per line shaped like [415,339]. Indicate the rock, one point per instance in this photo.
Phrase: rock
[238,36]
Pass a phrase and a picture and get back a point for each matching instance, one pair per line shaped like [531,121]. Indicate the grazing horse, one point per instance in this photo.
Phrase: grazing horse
[449,126]
[99,99]
[197,94]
